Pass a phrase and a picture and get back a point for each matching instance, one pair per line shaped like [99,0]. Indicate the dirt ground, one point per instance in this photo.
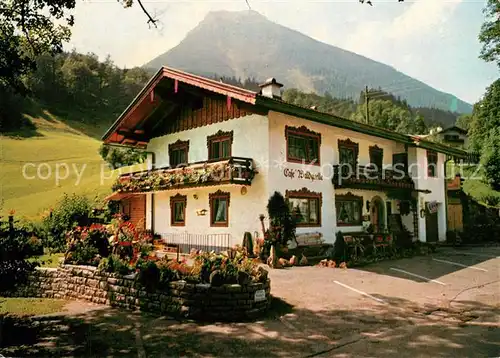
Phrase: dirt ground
[443,305]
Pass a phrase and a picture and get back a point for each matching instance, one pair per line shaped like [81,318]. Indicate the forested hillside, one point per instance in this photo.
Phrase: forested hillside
[89,95]
[385,110]
[79,88]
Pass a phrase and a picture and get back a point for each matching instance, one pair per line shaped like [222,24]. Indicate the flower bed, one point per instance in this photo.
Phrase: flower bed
[177,298]
[121,269]
[121,248]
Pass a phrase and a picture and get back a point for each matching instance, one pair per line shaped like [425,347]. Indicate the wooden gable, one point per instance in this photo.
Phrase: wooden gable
[212,110]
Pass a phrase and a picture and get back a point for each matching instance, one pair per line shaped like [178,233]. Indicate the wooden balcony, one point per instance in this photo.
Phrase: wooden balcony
[366,177]
[235,170]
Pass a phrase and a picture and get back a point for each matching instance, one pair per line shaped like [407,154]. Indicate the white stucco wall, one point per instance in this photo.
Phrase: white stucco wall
[243,211]
[250,140]
[418,168]
[262,138]
[329,157]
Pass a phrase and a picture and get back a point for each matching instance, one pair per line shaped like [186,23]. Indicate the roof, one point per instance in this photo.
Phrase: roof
[454,128]
[142,100]
[184,77]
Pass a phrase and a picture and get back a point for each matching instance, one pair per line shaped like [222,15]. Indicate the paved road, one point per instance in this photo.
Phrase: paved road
[445,305]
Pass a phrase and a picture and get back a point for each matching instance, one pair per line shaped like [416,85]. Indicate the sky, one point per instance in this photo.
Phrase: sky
[434,41]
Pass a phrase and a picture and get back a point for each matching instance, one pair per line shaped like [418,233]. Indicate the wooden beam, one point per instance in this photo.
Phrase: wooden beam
[163,118]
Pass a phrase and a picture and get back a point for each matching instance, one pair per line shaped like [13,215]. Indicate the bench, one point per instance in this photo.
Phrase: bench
[312,246]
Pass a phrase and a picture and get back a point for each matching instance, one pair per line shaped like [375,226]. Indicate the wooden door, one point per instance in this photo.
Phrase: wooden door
[455,217]
[135,209]
[431,227]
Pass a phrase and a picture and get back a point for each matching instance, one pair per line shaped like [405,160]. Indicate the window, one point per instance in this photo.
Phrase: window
[348,155]
[376,157]
[349,209]
[219,208]
[178,210]
[400,162]
[432,160]
[178,153]
[305,206]
[219,145]
[302,145]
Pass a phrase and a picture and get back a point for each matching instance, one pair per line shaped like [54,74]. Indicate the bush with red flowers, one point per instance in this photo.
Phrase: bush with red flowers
[87,245]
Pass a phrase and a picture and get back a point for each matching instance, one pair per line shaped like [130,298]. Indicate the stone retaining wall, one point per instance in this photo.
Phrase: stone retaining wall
[227,302]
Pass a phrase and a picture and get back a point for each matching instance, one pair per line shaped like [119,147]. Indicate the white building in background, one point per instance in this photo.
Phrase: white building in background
[218,152]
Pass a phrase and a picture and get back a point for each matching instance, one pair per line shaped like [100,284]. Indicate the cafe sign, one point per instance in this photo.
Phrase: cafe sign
[301,174]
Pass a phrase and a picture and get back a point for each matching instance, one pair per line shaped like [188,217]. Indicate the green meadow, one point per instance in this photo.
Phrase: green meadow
[37,170]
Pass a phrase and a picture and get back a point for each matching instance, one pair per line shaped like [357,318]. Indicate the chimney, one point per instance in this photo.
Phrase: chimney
[271,88]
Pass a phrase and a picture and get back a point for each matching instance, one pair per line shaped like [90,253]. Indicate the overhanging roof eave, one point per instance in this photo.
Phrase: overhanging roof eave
[144,90]
[329,119]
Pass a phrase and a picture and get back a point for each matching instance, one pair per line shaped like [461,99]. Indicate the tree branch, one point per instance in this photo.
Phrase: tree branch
[151,21]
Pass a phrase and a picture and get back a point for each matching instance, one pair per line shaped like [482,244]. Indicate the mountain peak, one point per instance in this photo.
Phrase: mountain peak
[246,44]
[225,15]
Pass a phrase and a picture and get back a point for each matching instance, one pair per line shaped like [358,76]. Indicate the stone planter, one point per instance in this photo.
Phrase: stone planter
[181,299]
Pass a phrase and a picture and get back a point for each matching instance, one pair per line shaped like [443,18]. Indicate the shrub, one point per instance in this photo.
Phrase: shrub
[86,245]
[282,224]
[167,274]
[403,239]
[451,237]
[340,252]
[14,252]
[70,212]
[118,157]
[97,237]
[148,274]
[490,159]
[83,255]
[114,264]
[126,238]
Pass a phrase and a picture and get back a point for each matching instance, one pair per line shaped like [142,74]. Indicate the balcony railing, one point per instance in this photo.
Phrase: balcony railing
[367,177]
[235,170]
[185,241]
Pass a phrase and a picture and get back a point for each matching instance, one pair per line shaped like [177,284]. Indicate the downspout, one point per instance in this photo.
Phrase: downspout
[446,197]
[153,164]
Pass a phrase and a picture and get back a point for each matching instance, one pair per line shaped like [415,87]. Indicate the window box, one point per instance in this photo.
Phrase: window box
[235,170]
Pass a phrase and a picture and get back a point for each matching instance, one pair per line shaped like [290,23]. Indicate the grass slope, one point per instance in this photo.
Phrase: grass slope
[56,144]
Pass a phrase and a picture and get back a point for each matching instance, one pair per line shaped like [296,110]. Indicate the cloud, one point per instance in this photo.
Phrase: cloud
[418,19]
